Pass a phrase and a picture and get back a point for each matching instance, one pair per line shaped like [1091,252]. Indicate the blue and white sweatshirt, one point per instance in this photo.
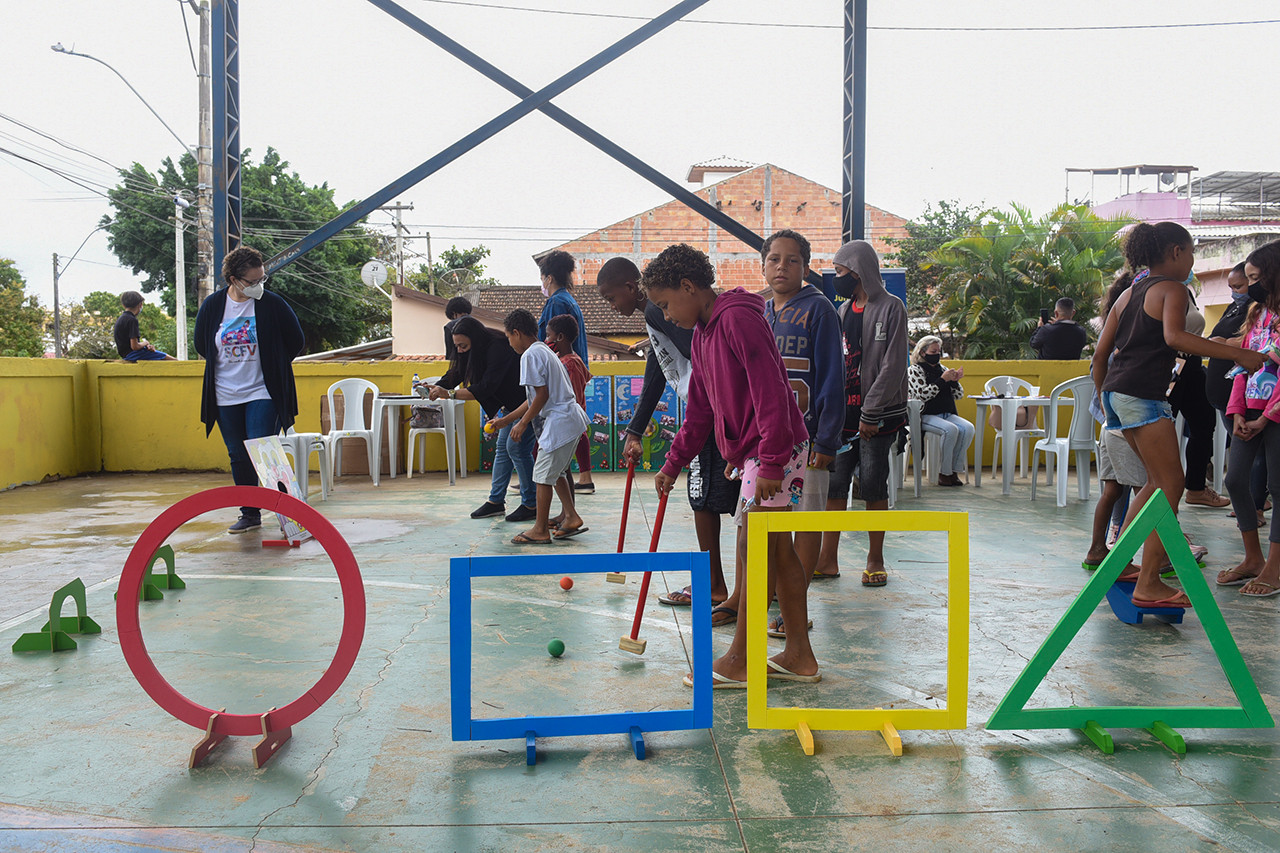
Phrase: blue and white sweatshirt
[807,332]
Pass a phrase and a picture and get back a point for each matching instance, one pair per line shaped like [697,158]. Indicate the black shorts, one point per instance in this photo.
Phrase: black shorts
[709,489]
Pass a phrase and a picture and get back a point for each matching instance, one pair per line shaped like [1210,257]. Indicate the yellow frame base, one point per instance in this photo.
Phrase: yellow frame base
[804,721]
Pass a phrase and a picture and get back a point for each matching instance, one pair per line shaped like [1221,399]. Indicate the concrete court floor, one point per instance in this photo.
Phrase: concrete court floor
[89,762]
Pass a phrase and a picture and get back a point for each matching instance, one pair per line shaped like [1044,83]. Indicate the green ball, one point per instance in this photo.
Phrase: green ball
[555,648]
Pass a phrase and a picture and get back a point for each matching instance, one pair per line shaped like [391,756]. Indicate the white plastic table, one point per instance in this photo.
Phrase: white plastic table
[455,423]
[1009,413]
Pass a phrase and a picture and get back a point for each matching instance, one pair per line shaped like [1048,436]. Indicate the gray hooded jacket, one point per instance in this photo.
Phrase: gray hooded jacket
[884,337]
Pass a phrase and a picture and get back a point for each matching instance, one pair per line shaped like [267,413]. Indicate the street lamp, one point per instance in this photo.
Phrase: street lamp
[58,48]
[57,309]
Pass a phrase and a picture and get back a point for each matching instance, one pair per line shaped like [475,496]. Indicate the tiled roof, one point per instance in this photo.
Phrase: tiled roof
[599,318]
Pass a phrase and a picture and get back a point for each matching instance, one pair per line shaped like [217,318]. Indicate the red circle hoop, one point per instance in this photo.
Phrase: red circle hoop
[135,650]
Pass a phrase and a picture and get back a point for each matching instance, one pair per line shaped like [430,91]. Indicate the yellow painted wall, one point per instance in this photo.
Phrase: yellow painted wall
[61,418]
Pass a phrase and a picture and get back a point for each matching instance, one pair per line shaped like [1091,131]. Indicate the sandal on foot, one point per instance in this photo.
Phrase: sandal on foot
[777,629]
[733,616]
[718,682]
[1240,579]
[817,575]
[1177,600]
[679,598]
[525,539]
[870,578]
[1271,589]
[569,533]
[778,672]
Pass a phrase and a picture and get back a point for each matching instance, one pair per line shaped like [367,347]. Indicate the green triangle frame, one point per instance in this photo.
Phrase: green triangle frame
[1252,711]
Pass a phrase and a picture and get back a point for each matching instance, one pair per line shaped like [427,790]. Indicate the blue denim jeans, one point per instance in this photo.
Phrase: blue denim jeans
[255,419]
[518,455]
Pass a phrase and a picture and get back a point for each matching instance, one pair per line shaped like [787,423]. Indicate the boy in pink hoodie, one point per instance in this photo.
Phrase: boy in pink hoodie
[740,389]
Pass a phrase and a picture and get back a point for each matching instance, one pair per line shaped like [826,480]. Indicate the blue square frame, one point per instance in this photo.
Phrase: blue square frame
[463,569]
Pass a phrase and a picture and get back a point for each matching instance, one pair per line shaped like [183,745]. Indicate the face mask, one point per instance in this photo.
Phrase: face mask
[253,291]
[1259,293]
[845,285]
[1191,277]
[933,358]
[1239,297]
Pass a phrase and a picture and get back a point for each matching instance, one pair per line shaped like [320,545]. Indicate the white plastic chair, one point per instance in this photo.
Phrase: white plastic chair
[1081,438]
[1010,386]
[353,424]
[422,432]
[299,446]
[926,447]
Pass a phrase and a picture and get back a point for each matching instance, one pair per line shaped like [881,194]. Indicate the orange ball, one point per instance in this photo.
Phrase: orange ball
[566,583]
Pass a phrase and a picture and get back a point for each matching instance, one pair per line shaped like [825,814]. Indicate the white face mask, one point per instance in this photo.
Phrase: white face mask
[543,286]
[253,291]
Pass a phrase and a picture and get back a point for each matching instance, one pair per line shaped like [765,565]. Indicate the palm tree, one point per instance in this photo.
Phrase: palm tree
[996,279]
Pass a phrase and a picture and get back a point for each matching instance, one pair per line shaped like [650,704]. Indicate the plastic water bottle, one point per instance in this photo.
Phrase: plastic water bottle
[413,388]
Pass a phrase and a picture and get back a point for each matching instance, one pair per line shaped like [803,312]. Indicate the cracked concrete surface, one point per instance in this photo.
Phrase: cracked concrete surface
[89,762]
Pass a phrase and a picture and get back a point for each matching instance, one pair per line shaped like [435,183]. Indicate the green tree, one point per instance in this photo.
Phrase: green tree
[926,235]
[278,207]
[455,271]
[994,281]
[21,317]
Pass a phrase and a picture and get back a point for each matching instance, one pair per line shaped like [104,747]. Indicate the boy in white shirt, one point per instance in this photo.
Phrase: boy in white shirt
[554,413]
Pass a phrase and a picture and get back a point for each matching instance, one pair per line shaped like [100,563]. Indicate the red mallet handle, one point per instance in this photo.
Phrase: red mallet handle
[626,504]
[644,584]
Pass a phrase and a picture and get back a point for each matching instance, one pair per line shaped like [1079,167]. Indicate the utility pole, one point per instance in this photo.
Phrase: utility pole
[180,274]
[57,312]
[204,167]
[397,208]
[431,268]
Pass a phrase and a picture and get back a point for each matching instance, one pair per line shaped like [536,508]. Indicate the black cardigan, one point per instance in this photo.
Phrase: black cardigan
[499,386]
[280,340]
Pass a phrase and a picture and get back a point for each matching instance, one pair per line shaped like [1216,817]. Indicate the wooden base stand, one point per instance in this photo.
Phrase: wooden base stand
[806,737]
[615,577]
[262,751]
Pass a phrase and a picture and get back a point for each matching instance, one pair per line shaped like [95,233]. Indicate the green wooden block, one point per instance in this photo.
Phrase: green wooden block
[1251,712]
[1100,736]
[153,583]
[1168,737]
[44,641]
[53,637]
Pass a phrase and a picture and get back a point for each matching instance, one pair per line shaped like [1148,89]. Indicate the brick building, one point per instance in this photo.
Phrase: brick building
[765,198]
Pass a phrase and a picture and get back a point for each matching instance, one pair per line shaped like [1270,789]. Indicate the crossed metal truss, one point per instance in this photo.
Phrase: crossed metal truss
[226,126]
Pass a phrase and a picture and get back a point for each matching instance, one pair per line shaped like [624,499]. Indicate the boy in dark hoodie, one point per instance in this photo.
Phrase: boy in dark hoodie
[873,324]
[739,389]
[807,331]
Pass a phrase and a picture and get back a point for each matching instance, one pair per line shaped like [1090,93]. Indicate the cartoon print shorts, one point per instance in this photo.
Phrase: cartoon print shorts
[792,479]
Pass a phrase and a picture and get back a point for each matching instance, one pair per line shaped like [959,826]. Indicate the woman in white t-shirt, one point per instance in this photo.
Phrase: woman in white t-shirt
[248,338]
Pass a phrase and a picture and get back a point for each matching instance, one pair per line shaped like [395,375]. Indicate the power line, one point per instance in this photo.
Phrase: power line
[777,25]
[183,12]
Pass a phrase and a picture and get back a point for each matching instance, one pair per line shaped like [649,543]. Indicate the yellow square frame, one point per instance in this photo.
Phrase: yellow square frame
[804,720]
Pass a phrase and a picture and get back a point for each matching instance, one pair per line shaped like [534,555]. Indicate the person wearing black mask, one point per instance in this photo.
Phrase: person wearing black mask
[938,388]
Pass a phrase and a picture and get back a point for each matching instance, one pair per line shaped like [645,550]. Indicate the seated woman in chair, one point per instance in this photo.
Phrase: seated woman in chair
[937,389]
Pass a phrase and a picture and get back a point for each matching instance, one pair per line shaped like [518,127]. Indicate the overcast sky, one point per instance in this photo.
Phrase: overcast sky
[354,99]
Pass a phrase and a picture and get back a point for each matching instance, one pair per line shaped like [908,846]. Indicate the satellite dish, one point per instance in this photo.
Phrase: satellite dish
[460,277]
[1166,179]
[374,273]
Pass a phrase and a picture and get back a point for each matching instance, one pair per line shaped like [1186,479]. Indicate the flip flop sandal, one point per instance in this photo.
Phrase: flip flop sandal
[778,630]
[817,575]
[875,578]
[1179,601]
[1242,580]
[718,682]
[522,539]
[679,598]
[733,616]
[569,534]
[778,672]
[1271,590]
